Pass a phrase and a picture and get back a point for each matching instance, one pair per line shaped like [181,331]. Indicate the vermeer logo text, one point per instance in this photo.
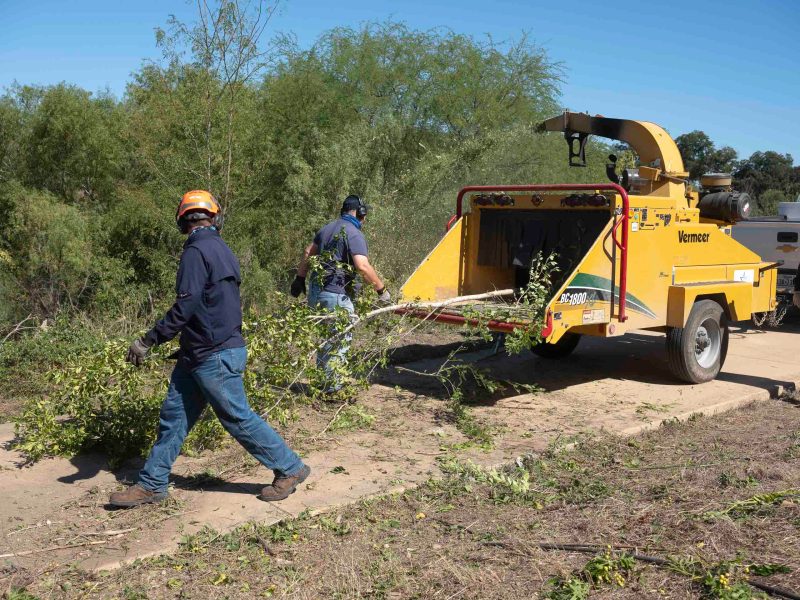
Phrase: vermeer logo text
[692,238]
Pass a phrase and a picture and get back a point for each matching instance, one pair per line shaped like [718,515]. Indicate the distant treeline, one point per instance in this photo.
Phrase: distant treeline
[770,177]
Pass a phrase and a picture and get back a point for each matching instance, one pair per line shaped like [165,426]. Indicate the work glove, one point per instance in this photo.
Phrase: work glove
[137,352]
[298,286]
[384,297]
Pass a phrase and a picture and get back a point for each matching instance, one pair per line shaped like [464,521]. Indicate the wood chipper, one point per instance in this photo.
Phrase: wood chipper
[644,251]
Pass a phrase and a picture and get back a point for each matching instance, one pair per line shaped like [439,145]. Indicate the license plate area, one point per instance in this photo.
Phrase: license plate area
[785,282]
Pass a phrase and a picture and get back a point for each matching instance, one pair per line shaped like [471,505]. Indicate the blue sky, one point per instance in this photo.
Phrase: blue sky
[729,68]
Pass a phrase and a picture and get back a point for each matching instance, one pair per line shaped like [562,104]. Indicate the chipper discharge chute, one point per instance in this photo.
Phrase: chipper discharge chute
[644,251]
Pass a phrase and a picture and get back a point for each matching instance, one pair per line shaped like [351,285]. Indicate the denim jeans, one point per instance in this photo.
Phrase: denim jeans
[216,381]
[334,351]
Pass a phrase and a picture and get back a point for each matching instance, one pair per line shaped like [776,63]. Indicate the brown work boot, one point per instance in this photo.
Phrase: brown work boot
[134,496]
[283,486]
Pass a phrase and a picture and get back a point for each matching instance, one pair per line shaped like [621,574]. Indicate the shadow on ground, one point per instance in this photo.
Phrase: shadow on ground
[638,357]
[88,466]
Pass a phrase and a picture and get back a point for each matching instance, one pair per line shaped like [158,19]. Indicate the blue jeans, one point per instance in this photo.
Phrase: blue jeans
[333,352]
[216,381]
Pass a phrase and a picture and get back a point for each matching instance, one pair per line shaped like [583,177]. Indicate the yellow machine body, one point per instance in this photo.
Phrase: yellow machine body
[674,257]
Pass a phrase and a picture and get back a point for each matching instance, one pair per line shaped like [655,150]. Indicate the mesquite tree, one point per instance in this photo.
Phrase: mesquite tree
[221,54]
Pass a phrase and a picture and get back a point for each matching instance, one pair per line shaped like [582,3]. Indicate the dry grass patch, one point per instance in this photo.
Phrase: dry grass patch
[715,497]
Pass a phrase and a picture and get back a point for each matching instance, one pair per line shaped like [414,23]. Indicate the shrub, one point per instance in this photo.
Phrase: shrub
[768,202]
[52,259]
[25,361]
[74,150]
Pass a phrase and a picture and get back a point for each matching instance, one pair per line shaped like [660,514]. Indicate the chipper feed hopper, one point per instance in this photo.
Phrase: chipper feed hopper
[643,251]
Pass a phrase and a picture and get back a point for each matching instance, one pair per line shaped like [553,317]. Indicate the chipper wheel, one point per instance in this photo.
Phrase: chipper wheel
[560,349]
[697,351]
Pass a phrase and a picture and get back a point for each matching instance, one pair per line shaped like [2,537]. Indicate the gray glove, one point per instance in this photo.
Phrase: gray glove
[384,297]
[137,352]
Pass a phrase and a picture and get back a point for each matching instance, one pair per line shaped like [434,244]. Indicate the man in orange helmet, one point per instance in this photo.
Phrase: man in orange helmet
[208,315]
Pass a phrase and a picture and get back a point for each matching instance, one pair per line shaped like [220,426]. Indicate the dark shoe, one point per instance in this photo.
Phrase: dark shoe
[284,486]
[134,496]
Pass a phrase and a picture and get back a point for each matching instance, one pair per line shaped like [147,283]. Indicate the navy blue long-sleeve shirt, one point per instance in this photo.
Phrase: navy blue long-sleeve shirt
[207,311]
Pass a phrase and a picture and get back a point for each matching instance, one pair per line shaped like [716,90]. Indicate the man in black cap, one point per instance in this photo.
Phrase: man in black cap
[343,252]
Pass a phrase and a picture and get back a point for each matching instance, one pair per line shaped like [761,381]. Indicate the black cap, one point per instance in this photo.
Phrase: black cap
[353,202]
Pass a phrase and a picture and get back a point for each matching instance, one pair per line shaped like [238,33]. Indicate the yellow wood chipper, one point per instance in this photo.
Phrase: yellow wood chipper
[644,251]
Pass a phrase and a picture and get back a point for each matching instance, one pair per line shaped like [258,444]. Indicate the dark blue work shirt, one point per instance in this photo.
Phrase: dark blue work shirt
[338,242]
[208,309]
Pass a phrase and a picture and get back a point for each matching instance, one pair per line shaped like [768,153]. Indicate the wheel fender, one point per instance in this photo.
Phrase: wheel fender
[735,298]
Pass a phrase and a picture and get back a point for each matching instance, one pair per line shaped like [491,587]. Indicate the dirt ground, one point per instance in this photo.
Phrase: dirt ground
[213,538]
[52,506]
[712,489]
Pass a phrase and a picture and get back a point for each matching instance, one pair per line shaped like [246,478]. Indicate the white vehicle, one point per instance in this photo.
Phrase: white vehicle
[775,239]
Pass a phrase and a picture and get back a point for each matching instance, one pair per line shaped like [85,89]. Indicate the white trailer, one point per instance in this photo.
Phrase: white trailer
[775,239]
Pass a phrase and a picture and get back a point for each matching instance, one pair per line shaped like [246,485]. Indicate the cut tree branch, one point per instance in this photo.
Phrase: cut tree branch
[431,306]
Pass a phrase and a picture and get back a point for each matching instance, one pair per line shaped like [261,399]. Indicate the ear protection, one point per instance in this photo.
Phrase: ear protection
[216,220]
[361,208]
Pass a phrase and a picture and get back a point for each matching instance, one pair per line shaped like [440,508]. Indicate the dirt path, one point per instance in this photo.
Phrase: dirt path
[56,510]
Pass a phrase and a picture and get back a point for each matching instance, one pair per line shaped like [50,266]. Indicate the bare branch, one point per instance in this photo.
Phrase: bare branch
[17,328]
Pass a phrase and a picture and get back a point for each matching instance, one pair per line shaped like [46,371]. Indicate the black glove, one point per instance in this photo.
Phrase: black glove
[384,297]
[298,286]
[137,352]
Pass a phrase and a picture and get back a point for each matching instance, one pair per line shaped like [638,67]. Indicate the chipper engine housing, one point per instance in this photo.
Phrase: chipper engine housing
[641,252]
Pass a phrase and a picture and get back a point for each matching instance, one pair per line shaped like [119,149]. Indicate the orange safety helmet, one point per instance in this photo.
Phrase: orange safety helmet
[196,205]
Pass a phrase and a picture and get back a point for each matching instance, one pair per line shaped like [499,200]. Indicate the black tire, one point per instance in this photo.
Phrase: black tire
[560,349]
[697,351]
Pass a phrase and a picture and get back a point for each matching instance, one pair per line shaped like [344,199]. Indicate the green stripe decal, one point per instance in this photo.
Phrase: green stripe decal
[585,280]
